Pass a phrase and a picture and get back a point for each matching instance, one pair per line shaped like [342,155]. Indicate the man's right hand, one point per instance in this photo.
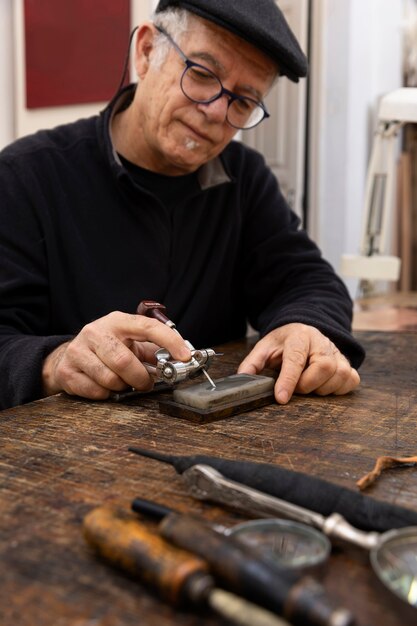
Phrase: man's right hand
[107,356]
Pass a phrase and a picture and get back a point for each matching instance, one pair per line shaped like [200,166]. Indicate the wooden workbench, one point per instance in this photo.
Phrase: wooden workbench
[62,456]
[392,311]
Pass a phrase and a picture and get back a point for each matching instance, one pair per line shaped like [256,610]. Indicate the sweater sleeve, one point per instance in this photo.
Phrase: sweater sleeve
[287,279]
[24,299]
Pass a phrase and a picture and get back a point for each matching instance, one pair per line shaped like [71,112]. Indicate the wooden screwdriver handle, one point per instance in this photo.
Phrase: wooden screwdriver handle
[133,547]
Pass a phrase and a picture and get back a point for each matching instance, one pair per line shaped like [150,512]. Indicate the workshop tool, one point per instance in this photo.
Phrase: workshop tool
[306,491]
[168,372]
[167,369]
[393,554]
[234,394]
[178,575]
[203,402]
[288,544]
[299,599]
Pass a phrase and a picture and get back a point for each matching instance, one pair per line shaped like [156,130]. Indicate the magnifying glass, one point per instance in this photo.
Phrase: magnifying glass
[393,554]
[394,559]
[287,543]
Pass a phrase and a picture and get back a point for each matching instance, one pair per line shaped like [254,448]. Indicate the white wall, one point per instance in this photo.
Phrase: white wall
[6,73]
[357,58]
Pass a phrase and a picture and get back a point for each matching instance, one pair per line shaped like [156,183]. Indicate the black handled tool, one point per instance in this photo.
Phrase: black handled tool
[307,491]
[177,574]
[301,600]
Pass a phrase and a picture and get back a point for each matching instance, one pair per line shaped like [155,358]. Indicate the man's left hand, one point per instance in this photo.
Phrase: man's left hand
[309,362]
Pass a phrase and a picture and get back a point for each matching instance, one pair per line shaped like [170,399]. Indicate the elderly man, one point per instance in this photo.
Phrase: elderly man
[152,199]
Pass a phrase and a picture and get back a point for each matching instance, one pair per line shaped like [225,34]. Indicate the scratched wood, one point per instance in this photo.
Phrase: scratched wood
[62,456]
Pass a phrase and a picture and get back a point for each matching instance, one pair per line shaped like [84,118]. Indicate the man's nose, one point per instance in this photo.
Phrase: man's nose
[216,110]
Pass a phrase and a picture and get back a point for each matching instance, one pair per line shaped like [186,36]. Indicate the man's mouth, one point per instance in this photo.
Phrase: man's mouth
[197,134]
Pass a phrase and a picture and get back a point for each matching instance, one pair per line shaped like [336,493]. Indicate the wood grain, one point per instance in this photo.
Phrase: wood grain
[62,456]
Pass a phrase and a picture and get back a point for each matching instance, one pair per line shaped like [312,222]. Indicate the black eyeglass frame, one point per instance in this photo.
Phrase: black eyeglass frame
[223,91]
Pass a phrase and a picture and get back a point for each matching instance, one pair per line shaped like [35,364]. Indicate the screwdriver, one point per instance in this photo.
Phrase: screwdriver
[178,575]
[156,310]
[299,599]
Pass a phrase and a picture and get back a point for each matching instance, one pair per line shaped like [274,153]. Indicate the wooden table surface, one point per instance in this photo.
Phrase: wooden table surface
[393,311]
[61,456]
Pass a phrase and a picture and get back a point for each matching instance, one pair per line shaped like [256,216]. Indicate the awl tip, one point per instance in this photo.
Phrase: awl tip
[152,454]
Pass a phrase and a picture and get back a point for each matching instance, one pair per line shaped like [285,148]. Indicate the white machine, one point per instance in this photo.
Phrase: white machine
[373,263]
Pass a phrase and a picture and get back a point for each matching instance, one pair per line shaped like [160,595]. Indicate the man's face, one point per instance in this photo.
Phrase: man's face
[176,136]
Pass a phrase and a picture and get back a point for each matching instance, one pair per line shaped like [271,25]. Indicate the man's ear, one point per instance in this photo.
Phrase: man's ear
[144,45]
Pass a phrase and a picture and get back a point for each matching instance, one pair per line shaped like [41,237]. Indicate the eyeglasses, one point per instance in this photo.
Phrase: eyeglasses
[199,84]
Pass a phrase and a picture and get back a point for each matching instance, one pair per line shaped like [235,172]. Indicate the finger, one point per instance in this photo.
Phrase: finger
[294,361]
[145,351]
[129,328]
[255,361]
[104,368]
[319,373]
[340,385]
[80,384]
[120,363]
[248,368]
[145,329]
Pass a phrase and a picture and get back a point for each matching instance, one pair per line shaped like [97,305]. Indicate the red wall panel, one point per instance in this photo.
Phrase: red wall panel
[74,50]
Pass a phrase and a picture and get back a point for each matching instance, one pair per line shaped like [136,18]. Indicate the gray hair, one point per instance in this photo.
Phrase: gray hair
[176,22]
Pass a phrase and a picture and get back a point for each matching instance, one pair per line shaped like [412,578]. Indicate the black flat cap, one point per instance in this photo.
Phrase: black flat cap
[260,22]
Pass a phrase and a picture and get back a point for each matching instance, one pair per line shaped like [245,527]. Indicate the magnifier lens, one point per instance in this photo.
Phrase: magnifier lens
[287,543]
[395,562]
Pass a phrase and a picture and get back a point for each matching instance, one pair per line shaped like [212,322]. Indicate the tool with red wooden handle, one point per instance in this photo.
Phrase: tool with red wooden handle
[167,369]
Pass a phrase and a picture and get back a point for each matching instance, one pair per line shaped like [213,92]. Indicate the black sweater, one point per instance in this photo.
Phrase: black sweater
[80,237]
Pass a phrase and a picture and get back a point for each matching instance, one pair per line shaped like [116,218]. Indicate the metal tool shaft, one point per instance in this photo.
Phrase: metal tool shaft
[173,372]
[206,483]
